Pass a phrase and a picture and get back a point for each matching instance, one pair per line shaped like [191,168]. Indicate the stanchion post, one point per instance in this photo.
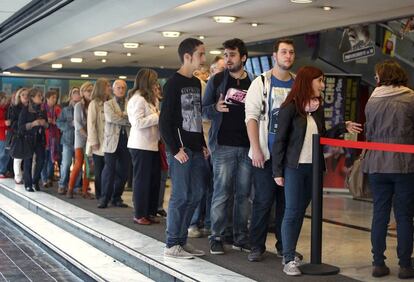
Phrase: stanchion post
[316,267]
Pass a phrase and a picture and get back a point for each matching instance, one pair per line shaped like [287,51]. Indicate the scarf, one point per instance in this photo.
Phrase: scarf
[389,90]
[312,106]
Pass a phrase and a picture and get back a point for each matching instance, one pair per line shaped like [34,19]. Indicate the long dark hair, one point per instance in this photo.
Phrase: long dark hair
[302,91]
[32,93]
[144,83]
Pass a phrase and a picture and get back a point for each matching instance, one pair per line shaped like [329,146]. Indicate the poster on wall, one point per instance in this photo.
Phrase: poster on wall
[7,87]
[362,46]
[388,47]
[340,104]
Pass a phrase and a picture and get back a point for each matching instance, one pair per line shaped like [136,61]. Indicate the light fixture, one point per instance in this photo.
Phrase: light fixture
[171,33]
[129,54]
[161,46]
[122,77]
[201,37]
[85,75]
[57,66]
[131,45]
[215,52]
[100,53]
[7,72]
[76,60]
[327,8]
[224,19]
[301,1]
[254,24]
[103,60]
[161,67]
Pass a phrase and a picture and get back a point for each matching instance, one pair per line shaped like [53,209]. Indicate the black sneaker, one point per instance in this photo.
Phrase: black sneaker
[216,247]
[255,255]
[162,213]
[29,189]
[36,187]
[242,247]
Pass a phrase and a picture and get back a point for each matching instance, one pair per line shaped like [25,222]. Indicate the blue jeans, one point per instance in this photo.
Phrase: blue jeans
[48,167]
[4,157]
[386,188]
[67,157]
[201,217]
[266,193]
[232,169]
[298,194]
[187,191]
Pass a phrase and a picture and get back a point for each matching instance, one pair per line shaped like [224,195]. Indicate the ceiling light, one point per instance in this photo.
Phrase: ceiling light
[57,66]
[76,60]
[301,1]
[224,19]
[129,54]
[84,75]
[161,67]
[254,24]
[201,37]
[171,33]
[122,77]
[100,53]
[161,46]
[327,8]
[103,60]
[131,45]
[215,52]
[7,72]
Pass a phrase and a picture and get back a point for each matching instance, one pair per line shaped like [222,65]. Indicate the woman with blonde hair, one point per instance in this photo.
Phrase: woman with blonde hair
[143,114]
[21,99]
[80,122]
[95,127]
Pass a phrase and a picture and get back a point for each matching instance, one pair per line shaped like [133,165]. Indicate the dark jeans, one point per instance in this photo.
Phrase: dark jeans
[385,187]
[266,192]
[39,151]
[298,193]
[187,191]
[98,165]
[115,172]
[146,181]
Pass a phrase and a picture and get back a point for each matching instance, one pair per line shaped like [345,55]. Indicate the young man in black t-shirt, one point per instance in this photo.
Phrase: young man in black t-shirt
[223,104]
[181,128]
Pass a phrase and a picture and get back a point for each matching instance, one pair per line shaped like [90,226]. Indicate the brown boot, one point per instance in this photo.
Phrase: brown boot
[88,195]
[61,190]
[69,194]
[406,272]
[379,271]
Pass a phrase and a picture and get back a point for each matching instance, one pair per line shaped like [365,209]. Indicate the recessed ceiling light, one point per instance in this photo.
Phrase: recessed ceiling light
[161,46]
[57,66]
[301,1]
[201,37]
[131,45]
[76,60]
[84,75]
[327,8]
[122,77]
[161,67]
[215,52]
[7,72]
[100,53]
[103,60]
[224,19]
[171,33]
[254,24]
[129,54]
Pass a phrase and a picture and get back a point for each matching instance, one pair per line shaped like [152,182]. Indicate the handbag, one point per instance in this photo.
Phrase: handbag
[21,147]
[357,181]
[9,138]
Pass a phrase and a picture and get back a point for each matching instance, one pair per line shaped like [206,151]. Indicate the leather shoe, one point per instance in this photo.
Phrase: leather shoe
[380,271]
[153,219]
[406,273]
[142,221]
[102,205]
[29,189]
[120,204]
[36,187]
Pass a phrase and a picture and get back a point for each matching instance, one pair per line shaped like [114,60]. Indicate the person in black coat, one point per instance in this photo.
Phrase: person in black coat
[32,123]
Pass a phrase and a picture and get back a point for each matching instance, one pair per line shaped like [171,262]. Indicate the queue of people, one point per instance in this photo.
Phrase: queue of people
[258,151]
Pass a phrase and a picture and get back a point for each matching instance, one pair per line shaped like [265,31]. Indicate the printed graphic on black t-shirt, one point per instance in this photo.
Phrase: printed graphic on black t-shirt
[235,96]
[191,109]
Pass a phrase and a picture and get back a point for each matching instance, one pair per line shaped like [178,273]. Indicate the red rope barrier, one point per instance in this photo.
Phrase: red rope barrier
[401,148]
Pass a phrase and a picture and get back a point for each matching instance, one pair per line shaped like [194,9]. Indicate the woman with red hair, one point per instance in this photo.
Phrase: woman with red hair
[300,116]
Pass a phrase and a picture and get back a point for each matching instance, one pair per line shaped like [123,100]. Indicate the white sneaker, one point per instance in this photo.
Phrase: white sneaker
[297,260]
[193,232]
[292,269]
[193,251]
[177,252]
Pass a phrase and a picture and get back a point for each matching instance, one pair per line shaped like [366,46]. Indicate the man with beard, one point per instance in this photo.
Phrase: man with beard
[264,97]
[223,104]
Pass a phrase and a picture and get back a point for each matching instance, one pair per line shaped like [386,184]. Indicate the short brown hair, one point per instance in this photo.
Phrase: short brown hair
[280,41]
[391,73]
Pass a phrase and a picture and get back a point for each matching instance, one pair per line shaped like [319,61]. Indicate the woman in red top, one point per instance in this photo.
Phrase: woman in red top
[4,124]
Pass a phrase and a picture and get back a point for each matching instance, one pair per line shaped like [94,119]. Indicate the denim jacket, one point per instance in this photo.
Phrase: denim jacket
[211,96]
[66,125]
